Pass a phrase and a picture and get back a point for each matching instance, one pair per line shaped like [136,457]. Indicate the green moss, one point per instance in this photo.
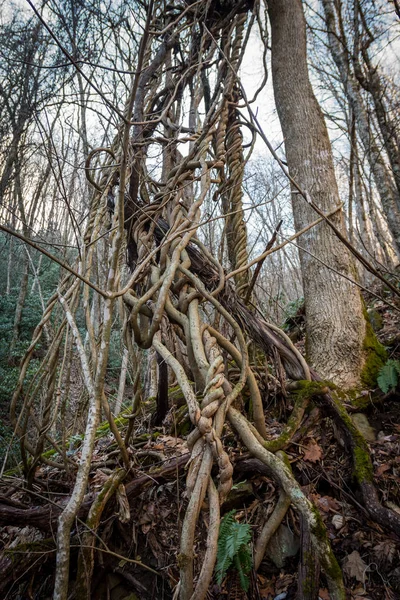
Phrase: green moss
[284,458]
[280,442]
[182,560]
[361,402]
[375,319]
[49,453]
[363,470]
[318,529]
[182,423]
[376,355]
[330,564]
[308,389]
[332,568]
[175,394]
[363,467]
[304,391]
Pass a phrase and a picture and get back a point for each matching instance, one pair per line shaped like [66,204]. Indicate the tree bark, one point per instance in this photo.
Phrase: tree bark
[335,326]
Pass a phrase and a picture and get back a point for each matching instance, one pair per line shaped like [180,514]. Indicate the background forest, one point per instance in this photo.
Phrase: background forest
[199,299]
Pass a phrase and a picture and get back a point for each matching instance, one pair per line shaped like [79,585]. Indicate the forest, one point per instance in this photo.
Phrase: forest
[199,299]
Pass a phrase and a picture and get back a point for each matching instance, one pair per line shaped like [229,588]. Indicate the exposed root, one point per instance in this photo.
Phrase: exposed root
[86,555]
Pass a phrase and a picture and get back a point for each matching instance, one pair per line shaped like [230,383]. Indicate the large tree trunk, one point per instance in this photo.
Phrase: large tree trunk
[335,325]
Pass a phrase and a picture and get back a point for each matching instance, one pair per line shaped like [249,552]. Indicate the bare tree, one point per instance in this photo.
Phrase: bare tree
[335,323]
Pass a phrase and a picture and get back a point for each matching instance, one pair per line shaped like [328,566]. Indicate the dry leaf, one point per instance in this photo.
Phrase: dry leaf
[327,503]
[354,566]
[380,470]
[266,586]
[99,479]
[124,513]
[385,552]
[312,452]
[324,594]
[170,441]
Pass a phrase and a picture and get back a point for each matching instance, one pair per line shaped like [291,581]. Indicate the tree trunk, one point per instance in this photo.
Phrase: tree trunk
[335,325]
[383,180]
[122,381]
[19,308]
[374,83]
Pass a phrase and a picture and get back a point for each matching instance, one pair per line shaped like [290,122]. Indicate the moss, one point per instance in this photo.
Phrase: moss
[362,464]
[122,420]
[182,560]
[182,422]
[333,570]
[176,395]
[308,389]
[26,547]
[330,564]
[318,529]
[304,391]
[49,453]
[280,442]
[375,319]
[375,355]
[363,470]
[361,402]
[285,459]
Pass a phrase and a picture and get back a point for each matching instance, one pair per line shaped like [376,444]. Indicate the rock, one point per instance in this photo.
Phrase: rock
[363,426]
[338,521]
[283,543]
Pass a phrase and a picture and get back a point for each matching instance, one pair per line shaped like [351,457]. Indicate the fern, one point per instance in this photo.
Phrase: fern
[389,376]
[233,549]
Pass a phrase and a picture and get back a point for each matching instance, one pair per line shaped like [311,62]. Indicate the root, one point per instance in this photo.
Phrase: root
[285,479]
[362,464]
[270,526]
[86,555]
[207,568]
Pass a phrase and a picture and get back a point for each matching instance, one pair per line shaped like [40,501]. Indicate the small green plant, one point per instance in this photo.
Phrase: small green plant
[293,314]
[389,376]
[234,549]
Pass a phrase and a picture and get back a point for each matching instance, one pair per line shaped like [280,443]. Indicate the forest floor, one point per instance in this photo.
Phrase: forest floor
[143,522]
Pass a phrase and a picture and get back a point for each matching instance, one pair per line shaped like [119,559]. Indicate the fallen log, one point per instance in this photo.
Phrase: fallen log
[45,517]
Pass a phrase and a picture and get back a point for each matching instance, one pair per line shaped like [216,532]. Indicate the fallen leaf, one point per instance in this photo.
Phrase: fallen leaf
[327,503]
[312,452]
[385,552]
[266,587]
[354,566]
[124,513]
[324,594]
[380,470]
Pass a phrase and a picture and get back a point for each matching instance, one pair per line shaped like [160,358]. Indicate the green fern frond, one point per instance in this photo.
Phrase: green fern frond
[233,548]
[389,376]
